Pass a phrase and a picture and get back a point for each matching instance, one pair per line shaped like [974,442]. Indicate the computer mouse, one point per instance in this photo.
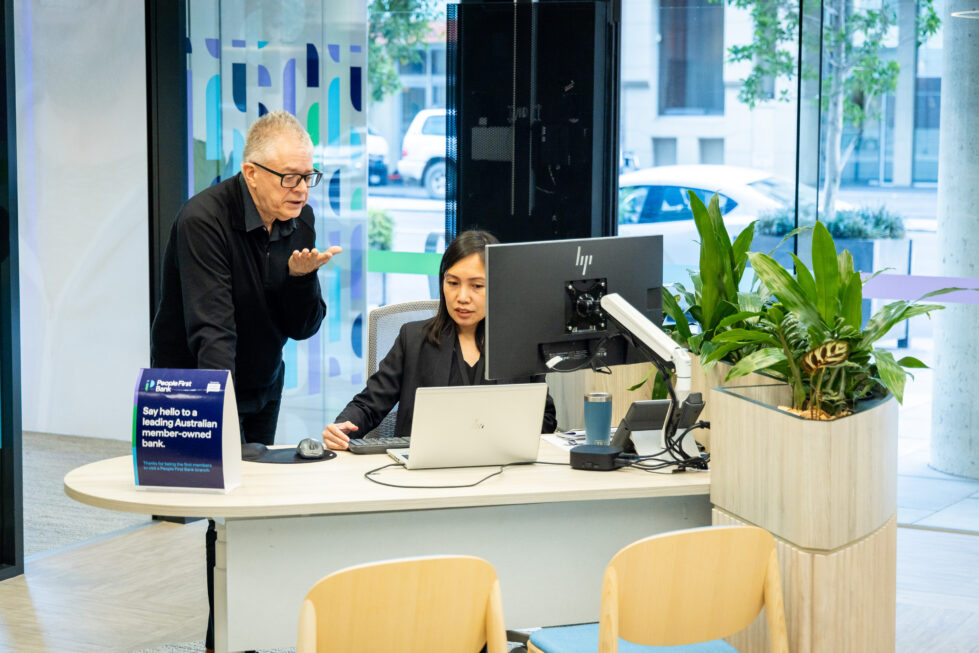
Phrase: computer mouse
[310,448]
[253,451]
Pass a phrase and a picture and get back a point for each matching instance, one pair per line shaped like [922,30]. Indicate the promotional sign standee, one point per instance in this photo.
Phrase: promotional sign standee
[185,431]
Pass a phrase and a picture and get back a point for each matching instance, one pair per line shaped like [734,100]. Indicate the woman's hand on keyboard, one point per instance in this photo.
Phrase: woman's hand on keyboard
[335,436]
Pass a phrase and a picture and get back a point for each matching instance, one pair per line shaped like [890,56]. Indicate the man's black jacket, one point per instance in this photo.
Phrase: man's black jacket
[228,301]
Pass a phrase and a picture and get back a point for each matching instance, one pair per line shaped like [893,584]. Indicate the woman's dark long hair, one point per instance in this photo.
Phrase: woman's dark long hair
[462,246]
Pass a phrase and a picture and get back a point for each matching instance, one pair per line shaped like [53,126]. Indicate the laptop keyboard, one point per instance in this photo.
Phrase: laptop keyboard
[376,445]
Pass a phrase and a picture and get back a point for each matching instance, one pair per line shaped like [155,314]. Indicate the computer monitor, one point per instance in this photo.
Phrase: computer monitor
[543,310]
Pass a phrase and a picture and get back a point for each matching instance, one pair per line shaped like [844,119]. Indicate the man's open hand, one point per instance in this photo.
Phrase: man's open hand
[310,260]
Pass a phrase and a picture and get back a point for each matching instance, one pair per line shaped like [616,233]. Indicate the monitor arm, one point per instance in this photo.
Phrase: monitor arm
[650,339]
[664,354]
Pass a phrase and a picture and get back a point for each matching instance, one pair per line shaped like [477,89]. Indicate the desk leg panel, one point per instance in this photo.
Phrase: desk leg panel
[550,557]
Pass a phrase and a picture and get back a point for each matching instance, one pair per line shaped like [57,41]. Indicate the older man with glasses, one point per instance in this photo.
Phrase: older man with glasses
[239,278]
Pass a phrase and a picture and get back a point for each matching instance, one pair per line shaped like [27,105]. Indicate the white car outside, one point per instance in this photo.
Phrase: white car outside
[423,152]
[655,201]
[350,160]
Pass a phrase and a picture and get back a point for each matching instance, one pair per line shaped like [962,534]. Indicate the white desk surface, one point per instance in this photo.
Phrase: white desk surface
[337,486]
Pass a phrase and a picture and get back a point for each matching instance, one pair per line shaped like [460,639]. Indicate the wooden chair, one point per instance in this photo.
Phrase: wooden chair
[689,587]
[443,603]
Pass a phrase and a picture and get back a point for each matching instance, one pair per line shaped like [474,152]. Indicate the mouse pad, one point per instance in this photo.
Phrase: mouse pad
[289,455]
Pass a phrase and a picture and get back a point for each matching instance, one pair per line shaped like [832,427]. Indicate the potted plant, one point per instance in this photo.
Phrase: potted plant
[380,237]
[817,466]
[814,337]
[713,303]
[874,236]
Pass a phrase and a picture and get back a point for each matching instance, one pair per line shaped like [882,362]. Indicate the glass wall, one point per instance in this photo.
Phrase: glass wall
[691,57]
[836,109]
[689,123]
[406,206]
[309,58]
[845,115]
[928,102]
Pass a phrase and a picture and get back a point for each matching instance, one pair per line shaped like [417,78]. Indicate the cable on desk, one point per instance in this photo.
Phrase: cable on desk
[682,461]
[369,477]
[694,462]
[653,462]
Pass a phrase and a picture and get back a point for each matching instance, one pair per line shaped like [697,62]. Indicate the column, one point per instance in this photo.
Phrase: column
[955,414]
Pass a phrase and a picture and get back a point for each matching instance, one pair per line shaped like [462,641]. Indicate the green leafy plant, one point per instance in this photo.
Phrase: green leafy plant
[864,222]
[380,229]
[397,32]
[775,222]
[853,74]
[714,302]
[810,334]
[867,222]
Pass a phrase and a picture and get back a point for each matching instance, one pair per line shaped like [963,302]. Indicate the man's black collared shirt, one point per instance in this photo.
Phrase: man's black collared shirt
[228,301]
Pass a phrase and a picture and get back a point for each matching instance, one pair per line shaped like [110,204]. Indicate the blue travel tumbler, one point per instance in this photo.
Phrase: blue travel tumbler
[598,417]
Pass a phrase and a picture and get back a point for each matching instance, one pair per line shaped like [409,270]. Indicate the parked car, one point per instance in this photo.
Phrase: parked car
[377,158]
[655,201]
[423,152]
[349,158]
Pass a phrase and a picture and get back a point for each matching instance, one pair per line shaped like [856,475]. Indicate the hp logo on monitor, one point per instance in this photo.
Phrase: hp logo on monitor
[584,260]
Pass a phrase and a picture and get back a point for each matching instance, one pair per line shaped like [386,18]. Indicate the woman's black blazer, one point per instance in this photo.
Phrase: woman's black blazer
[413,363]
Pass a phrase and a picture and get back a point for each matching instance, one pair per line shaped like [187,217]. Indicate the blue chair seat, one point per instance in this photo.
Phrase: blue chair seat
[584,638]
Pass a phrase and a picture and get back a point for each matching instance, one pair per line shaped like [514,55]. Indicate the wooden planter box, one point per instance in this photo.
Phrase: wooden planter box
[828,492]
[841,601]
[702,381]
[816,484]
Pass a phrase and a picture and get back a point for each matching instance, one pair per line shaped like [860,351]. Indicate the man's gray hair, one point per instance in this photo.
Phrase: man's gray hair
[266,130]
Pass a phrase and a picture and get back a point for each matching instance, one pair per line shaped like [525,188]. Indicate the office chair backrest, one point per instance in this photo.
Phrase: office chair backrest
[414,605]
[384,322]
[693,586]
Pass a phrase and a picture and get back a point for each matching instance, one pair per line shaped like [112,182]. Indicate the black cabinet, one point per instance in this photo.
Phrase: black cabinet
[533,90]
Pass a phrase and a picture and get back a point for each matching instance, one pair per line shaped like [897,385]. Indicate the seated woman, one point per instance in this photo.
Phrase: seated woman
[446,350]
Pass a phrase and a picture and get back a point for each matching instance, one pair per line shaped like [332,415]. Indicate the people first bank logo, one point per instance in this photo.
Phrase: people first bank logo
[583,261]
[157,385]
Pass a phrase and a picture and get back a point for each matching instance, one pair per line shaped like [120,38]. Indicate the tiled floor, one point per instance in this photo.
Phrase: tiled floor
[926,497]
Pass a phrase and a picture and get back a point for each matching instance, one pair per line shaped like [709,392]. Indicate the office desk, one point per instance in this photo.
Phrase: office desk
[549,530]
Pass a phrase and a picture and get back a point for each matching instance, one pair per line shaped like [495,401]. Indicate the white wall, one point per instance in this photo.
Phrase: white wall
[82,185]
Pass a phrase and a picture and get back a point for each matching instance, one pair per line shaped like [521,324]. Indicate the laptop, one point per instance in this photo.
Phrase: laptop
[474,425]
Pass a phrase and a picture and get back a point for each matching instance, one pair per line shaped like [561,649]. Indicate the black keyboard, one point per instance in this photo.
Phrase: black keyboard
[376,445]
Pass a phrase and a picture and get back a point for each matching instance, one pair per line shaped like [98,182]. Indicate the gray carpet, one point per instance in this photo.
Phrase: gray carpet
[52,520]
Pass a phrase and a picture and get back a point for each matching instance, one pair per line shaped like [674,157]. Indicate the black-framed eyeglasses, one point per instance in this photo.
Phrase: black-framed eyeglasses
[291,180]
